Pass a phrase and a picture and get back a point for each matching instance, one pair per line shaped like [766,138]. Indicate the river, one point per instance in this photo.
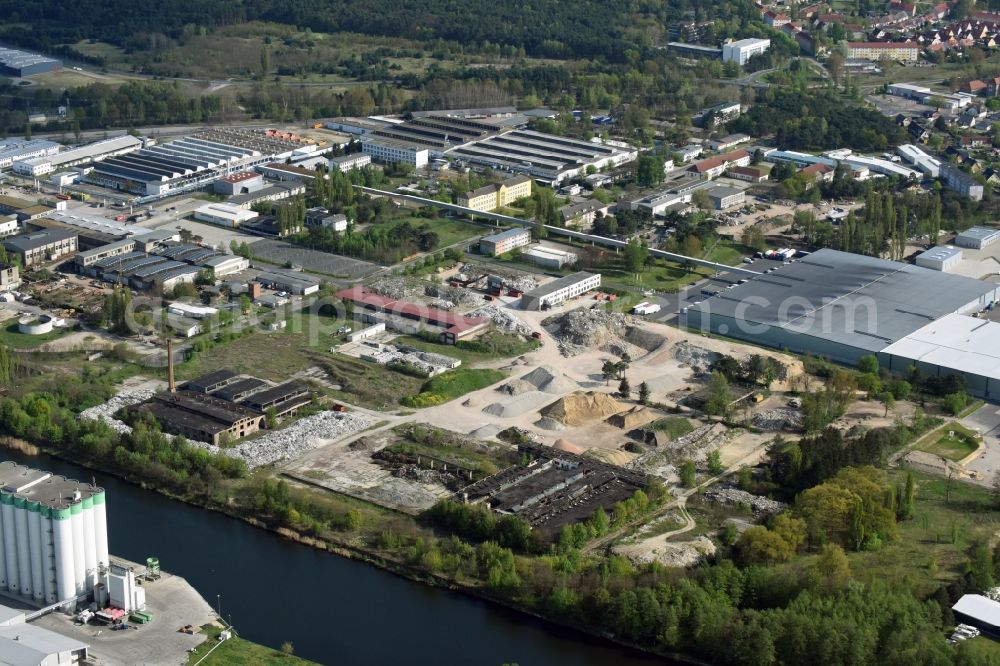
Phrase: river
[332,609]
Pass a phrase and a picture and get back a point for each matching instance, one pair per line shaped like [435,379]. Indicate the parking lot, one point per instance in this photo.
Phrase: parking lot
[280,252]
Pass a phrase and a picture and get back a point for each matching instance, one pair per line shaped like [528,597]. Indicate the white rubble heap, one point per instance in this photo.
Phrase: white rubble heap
[302,436]
[272,446]
[106,412]
[502,319]
[758,504]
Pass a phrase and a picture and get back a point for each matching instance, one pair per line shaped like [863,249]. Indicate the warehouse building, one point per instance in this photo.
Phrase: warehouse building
[724,198]
[223,214]
[285,399]
[562,289]
[42,247]
[275,192]
[202,417]
[31,645]
[497,195]
[16,150]
[226,264]
[844,306]
[505,241]
[239,183]
[294,282]
[9,277]
[939,258]
[549,257]
[544,157]
[981,612]
[14,62]
[9,225]
[919,158]
[435,133]
[977,238]
[54,535]
[412,318]
[92,152]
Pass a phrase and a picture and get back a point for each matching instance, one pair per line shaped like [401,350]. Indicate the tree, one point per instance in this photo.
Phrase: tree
[701,200]
[265,61]
[832,569]
[889,400]
[287,648]
[635,255]
[714,462]
[271,417]
[868,365]
[687,472]
[649,170]
[624,389]
[246,305]
[609,370]
[691,246]
[644,393]
[955,402]
[719,395]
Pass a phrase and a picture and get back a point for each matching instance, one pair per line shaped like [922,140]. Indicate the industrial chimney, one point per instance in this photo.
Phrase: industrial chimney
[170,365]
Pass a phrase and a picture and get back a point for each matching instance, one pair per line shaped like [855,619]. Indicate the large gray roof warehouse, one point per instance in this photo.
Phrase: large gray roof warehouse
[839,304]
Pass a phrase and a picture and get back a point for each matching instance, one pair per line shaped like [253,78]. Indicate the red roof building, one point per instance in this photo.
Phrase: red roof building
[453,326]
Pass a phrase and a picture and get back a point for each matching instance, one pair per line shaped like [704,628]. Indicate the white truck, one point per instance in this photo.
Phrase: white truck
[645,308]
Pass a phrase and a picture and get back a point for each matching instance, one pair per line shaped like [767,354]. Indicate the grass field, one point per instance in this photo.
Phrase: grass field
[727,252]
[449,231]
[239,652]
[10,336]
[488,347]
[924,556]
[659,276]
[451,385]
[953,447]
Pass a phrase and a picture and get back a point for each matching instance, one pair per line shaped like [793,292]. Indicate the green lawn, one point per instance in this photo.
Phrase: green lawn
[451,385]
[449,231]
[10,336]
[659,276]
[953,447]
[240,652]
[674,426]
[488,347]
[728,252]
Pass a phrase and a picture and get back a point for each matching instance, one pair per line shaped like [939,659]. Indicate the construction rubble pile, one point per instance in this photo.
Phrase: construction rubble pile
[391,287]
[774,420]
[503,320]
[694,356]
[694,446]
[582,331]
[295,440]
[428,362]
[448,298]
[106,412]
[730,496]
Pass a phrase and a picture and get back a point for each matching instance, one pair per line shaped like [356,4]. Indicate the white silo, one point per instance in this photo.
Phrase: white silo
[101,527]
[89,542]
[62,529]
[53,532]
[79,545]
[9,540]
[23,545]
[48,556]
[35,551]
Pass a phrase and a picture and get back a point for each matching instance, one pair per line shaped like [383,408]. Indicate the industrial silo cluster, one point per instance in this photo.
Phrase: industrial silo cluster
[53,534]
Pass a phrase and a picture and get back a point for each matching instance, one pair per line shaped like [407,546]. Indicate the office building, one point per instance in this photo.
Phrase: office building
[490,197]
[505,241]
[724,198]
[559,290]
[224,214]
[392,151]
[42,247]
[741,51]
[895,51]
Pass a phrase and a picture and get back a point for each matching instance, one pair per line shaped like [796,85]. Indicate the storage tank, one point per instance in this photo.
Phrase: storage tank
[62,529]
[48,556]
[79,547]
[89,542]
[37,565]
[101,527]
[9,541]
[23,545]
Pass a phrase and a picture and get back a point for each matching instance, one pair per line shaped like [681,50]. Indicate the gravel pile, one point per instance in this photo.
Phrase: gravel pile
[454,296]
[759,504]
[295,440]
[502,319]
[583,330]
[693,355]
[774,420]
[107,411]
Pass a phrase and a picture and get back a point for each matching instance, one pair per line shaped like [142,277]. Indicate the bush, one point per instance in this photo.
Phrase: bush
[450,385]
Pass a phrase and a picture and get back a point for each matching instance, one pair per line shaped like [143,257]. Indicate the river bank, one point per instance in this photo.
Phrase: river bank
[576,644]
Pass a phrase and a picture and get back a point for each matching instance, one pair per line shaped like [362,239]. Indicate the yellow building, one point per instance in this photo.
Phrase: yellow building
[490,197]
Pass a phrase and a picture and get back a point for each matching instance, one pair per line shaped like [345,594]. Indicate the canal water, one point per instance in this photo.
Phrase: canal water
[332,609]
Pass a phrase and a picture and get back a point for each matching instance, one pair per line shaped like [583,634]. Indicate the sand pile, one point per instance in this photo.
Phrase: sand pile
[611,456]
[582,408]
[485,432]
[568,447]
[633,418]
[546,378]
[517,405]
